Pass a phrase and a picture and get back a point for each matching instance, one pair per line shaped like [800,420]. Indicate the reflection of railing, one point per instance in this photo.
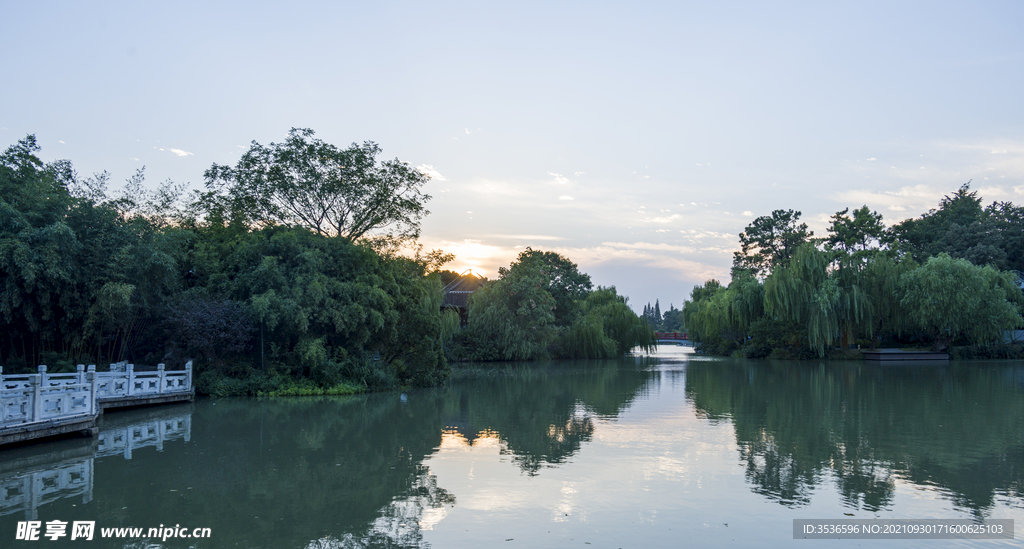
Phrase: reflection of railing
[123,440]
[27,491]
[35,479]
[47,398]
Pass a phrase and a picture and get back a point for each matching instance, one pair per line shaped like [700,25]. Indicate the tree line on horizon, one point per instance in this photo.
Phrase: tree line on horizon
[282,276]
[949,277]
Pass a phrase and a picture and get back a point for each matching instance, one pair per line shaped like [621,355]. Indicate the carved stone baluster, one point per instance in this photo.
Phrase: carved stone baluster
[37,397]
[92,378]
[131,383]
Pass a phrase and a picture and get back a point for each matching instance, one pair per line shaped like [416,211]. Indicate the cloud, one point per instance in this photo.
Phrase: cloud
[872,159]
[61,142]
[179,152]
[999,151]
[499,188]
[559,178]
[662,219]
[578,173]
[566,197]
[467,131]
[429,171]
[748,213]
[525,237]
[662,247]
[909,198]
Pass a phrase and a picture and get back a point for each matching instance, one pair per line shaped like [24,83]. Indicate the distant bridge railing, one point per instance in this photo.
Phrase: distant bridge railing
[672,336]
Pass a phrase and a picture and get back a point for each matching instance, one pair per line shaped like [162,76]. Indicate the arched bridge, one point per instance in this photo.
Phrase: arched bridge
[678,338]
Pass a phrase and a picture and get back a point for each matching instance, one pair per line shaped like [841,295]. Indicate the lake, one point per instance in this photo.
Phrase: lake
[663,450]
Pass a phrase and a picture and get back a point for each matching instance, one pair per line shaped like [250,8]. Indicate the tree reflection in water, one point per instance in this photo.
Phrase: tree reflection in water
[865,426]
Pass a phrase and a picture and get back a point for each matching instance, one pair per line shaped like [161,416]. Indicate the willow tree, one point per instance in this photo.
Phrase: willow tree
[879,278]
[826,297]
[605,327]
[719,318]
[516,313]
[952,298]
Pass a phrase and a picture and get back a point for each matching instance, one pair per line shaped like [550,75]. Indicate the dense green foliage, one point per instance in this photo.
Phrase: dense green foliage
[770,241]
[82,277]
[543,306]
[312,184]
[962,228]
[279,279]
[262,306]
[924,281]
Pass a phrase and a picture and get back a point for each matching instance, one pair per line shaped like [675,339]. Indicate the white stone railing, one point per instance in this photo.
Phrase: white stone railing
[42,397]
[117,384]
[35,398]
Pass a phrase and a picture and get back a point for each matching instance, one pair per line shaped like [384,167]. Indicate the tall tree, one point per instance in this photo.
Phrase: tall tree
[312,184]
[856,232]
[563,280]
[923,237]
[770,241]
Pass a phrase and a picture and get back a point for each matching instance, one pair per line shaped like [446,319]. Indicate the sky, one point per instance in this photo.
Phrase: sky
[638,139]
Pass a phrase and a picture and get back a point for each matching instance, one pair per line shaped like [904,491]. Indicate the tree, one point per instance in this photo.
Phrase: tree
[770,241]
[718,318]
[312,184]
[951,298]
[515,314]
[606,327]
[855,233]
[563,280]
[830,302]
[922,237]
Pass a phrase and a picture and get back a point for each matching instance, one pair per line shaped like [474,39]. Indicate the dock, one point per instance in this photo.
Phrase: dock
[42,405]
[899,355]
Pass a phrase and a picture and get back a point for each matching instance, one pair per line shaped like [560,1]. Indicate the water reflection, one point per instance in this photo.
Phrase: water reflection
[348,472]
[542,414]
[956,428]
[31,477]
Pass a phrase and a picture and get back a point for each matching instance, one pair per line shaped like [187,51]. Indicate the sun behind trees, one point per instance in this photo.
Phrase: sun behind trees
[935,281]
[281,278]
[543,306]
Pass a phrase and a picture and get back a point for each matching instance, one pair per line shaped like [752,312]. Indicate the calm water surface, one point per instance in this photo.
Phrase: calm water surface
[661,451]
